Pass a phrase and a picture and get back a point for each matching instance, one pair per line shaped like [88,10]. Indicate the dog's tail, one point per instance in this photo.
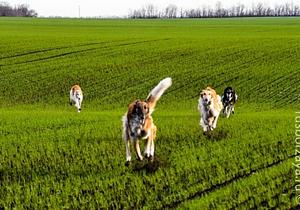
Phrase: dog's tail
[157,92]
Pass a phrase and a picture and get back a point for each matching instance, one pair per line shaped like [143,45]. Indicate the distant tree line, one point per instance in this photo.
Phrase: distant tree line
[22,10]
[239,10]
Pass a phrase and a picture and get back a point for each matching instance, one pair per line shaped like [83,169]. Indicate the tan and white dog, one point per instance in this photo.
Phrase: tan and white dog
[209,106]
[76,97]
[138,123]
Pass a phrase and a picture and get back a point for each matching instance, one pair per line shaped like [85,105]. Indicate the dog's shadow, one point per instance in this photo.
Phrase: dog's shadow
[149,166]
[216,135]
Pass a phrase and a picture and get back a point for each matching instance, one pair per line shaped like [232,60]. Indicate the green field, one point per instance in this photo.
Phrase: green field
[53,157]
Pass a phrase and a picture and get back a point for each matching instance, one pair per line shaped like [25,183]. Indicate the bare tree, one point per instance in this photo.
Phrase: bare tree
[240,10]
[218,11]
[204,12]
[288,9]
[171,11]
[23,10]
[20,10]
[181,13]
[151,11]
[269,11]
[6,9]
[258,11]
[296,10]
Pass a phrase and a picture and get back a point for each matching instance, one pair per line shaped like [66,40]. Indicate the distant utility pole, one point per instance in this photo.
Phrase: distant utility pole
[79,11]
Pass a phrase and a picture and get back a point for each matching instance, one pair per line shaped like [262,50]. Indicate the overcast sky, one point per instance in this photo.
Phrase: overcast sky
[104,8]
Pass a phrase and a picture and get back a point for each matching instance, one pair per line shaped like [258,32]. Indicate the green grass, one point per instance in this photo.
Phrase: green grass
[52,157]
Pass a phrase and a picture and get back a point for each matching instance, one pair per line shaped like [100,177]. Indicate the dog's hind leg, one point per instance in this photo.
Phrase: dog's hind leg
[137,149]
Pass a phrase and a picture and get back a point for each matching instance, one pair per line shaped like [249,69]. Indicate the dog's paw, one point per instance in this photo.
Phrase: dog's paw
[139,158]
[205,133]
[70,103]
[127,163]
[151,158]
[146,155]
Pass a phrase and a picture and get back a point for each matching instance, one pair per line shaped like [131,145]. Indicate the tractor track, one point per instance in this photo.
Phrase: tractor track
[227,182]
[81,51]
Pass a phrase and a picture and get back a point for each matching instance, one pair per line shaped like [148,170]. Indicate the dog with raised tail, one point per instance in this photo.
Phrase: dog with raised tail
[209,106]
[76,97]
[138,123]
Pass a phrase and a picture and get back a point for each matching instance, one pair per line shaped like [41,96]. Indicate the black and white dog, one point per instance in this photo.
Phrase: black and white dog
[229,99]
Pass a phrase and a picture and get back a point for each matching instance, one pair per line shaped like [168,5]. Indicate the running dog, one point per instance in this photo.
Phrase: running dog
[229,99]
[138,123]
[209,106]
[76,97]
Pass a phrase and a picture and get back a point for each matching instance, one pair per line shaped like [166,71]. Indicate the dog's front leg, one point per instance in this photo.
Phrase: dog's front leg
[228,111]
[203,124]
[137,149]
[128,153]
[225,110]
[152,148]
[215,122]
[148,147]
[153,136]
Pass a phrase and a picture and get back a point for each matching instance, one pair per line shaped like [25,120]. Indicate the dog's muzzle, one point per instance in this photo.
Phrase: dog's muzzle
[207,103]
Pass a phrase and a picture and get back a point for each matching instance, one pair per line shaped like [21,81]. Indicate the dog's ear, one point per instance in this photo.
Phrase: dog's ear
[234,95]
[213,94]
[135,106]
[135,103]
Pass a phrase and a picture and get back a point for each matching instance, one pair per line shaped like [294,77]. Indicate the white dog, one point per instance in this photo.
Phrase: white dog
[210,106]
[76,97]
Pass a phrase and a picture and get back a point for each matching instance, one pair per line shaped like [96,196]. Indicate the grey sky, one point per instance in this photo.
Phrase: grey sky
[92,8]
